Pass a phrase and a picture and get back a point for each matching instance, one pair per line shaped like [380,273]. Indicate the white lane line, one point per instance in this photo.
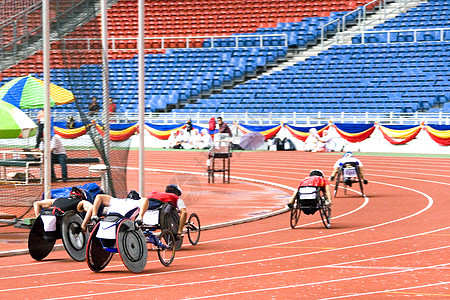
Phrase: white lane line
[276,273]
[430,201]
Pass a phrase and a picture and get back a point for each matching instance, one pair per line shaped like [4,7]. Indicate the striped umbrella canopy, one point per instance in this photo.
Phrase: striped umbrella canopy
[15,123]
[27,92]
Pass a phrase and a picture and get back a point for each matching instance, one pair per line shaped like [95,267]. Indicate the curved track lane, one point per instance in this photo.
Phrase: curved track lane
[393,243]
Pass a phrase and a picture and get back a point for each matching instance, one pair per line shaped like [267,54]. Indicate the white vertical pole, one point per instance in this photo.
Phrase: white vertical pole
[47,115]
[141,93]
[105,77]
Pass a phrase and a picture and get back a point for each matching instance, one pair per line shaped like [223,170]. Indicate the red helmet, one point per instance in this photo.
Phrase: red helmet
[76,192]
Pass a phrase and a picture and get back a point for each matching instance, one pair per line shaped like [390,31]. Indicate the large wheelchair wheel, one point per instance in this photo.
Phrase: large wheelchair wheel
[38,246]
[325,210]
[325,214]
[132,246]
[295,212]
[74,239]
[97,257]
[360,183]
[167,254]
[193,229]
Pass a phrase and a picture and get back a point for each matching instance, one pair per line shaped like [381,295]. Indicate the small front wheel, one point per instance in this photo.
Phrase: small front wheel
[193,229]
[166,254]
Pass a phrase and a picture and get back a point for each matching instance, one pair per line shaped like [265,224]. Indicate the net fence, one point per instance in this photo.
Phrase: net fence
[77,73]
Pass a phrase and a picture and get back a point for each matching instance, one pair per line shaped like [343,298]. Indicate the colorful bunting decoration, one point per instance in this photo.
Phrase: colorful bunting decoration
[439,133]
[394,134]
[354,133]
[399,134]
[302,133]
[267,131]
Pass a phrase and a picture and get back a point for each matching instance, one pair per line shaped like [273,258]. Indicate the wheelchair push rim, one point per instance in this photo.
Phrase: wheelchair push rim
[166,255]
[132,246]
[74,240]
[97,258]
[38,246]
[193,229]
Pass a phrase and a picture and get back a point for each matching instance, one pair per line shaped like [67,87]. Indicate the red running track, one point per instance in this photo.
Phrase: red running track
[393,243]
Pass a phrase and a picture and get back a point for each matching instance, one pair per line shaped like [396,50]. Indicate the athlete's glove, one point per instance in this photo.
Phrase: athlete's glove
[365,181]
[332,178]
[95,220]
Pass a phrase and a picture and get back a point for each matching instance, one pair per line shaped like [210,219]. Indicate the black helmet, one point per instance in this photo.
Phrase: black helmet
[133,195]
[316,172]
[77,192]
[174,189]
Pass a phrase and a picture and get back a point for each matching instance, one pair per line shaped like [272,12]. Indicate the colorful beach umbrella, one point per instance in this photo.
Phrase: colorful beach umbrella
[15,123]
[27,92]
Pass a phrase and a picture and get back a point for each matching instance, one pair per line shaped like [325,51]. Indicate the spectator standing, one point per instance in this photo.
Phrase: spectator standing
[93,107]
[224,130]
[58,155]
[40,129]
[112,106]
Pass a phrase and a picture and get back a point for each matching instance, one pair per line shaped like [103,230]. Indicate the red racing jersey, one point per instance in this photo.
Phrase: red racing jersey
[314,181]
[165,197]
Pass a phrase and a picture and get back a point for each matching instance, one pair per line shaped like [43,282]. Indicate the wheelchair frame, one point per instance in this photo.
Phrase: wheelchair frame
[68,228]
[347,182]
[310,206]
[192,226]
[131,244]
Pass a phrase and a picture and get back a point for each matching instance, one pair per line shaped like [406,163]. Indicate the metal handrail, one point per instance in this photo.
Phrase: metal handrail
[170,38]
[390,32]
[361,19]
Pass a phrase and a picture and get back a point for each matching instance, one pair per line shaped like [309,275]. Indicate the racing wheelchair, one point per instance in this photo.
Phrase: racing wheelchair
[308,200]
[348,174]
[118,234]
[53,224]
[165,217]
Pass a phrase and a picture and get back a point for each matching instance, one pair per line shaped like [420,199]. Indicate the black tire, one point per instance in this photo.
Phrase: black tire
[171,222]
[38,246]
[193,229]
[132,246]
[97,258]
[167,255]
[325,214]
[360,183]
[295,212]
[74,239]
[337,183]
[325,210]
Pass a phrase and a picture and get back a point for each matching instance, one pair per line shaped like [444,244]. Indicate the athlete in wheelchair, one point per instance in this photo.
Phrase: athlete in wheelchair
[312,194]
[348,170]
[117,232]
[166,210]
[60,218]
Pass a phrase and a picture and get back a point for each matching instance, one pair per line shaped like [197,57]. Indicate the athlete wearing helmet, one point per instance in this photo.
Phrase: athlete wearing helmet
[348,158]
[171,195]
[316,179]
[75,201]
